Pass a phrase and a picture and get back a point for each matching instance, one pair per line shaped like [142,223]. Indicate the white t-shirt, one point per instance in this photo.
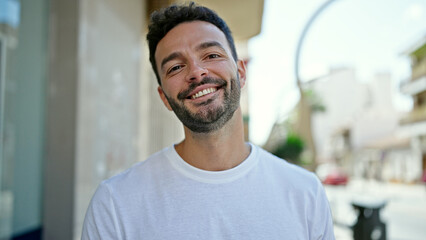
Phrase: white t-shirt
[166,198]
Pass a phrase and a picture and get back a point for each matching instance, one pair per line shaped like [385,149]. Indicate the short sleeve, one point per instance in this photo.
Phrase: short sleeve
[322,222]
[100,221]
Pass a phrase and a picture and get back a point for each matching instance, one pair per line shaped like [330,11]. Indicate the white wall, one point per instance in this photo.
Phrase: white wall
[109,74]
[363,107]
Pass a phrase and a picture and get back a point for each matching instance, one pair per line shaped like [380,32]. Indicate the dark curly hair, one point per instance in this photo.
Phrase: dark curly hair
[164,20]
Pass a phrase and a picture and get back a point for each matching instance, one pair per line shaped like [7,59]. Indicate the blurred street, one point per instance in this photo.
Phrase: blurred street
[404,213]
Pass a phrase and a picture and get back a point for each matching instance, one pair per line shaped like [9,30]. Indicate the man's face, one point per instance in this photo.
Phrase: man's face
[201,82]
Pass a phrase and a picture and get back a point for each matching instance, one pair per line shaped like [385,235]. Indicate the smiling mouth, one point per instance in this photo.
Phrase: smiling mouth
[213,86]
[203,93]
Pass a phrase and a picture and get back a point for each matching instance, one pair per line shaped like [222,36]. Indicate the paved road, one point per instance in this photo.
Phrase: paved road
[404,213]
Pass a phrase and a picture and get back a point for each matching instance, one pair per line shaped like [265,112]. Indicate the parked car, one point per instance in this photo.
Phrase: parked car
[336,178]
[330,174]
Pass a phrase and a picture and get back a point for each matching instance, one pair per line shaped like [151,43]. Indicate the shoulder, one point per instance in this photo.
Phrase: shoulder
[301,189]
[143,171]
[291,174]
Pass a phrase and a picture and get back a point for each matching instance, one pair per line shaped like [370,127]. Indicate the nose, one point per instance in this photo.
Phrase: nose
[196,72]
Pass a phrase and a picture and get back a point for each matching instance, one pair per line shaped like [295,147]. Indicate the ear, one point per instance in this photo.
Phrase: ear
[163,98]
[242,72]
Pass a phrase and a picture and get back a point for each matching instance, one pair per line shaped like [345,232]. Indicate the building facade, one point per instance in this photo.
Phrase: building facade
[78,104]
[414,123]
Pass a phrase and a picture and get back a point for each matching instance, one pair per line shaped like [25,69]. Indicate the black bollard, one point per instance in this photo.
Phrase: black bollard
[368,225]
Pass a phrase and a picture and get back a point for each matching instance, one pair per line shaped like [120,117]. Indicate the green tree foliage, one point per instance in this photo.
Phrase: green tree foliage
[290,149]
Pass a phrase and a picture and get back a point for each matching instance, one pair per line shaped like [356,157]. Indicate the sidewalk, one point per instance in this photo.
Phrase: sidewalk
[404,213]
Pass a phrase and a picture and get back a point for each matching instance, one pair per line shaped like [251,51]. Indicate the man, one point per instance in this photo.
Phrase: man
[212,185]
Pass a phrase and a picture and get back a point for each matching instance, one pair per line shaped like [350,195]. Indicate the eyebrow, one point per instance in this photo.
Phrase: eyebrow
[201,46]
[170,58]
[205,45]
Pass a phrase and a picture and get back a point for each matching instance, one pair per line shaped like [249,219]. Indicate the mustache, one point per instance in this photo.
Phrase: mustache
[184,94]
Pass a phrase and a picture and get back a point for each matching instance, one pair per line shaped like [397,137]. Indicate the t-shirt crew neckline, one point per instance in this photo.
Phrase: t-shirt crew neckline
[213,177]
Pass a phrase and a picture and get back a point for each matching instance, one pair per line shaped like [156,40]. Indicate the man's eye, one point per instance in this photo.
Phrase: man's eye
[213,55]
[175,68]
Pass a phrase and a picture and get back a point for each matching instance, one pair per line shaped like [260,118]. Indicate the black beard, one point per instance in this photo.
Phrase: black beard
[208,119]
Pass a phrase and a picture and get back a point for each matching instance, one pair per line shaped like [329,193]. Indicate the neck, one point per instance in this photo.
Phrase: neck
[216,151]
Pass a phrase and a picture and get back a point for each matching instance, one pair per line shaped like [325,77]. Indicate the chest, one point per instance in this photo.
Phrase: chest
[202,211]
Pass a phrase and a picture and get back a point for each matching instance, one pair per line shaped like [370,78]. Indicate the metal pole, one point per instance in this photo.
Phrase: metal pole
[302,37]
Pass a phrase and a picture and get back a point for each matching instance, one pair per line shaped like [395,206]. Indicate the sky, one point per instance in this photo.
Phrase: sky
[367,35]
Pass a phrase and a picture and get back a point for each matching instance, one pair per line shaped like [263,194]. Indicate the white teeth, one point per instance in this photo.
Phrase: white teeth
[203,92]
